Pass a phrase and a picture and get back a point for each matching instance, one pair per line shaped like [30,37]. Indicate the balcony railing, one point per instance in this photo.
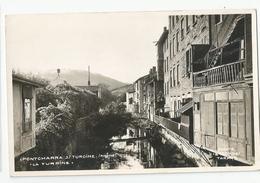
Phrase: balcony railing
[227,73]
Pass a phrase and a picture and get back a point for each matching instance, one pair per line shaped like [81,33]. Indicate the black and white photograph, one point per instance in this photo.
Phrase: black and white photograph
[132,92]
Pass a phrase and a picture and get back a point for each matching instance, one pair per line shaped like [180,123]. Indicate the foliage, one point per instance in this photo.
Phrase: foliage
[107,96]
[95,130]
[54,129]
[45,97]
[59,107]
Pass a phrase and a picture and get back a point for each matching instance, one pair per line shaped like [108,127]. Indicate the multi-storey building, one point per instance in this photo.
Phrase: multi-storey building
[139,95]
[130,107]
[154,99]
[188,37]
[223,90]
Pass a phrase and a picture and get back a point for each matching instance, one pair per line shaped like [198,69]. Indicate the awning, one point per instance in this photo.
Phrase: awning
[215,53]
[230,30]
[185,107]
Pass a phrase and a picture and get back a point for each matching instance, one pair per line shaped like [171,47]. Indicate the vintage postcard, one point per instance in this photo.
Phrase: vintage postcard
[132,92]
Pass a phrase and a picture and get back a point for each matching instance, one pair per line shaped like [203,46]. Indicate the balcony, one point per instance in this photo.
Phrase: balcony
[223,74]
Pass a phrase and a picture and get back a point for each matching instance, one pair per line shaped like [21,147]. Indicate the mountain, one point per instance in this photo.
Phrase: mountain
[80,78]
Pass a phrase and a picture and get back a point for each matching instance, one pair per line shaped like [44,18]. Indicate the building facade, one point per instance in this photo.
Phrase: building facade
[154,99]
[139,95]
[130,107]
[24,114]
[223,90]
[188,36]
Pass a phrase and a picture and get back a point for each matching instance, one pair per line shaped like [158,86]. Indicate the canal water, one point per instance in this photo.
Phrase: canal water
[138,149]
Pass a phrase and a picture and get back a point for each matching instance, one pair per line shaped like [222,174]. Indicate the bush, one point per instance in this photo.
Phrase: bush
[54,129]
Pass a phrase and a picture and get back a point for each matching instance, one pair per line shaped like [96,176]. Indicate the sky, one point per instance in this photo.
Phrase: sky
[117,45]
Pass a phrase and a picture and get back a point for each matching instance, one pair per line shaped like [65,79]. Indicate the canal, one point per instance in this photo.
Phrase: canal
[138,147]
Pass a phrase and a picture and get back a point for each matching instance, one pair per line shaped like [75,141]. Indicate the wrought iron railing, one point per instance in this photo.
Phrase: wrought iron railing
[227,73]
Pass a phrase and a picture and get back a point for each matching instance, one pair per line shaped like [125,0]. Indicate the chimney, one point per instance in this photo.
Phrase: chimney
[58,72]
[88,75]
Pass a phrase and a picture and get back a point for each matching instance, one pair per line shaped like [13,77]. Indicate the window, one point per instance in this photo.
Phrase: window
[173,48]
[175,108]
[167,87]
[182,28]
[188,61]
[222,118]
[179,104]
[177,73]
[173,76]
[164,88]
[237,120]
[178,107]
[170,49]
[187,24]
[167,64]
[242,49]
[218,19]
[177,19]
[131,100]
[164,65]
[194,19]
[173,23]
[177,42]
[231,119]
[170,22]
[27,109]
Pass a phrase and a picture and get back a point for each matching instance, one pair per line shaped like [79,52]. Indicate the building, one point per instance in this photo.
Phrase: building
[139,95]
[24,113]
[93,89]
[130,106]
[188,38]
[154,99]
[223,90]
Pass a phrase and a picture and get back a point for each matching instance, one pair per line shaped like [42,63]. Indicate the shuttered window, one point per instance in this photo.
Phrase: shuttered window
[207,118]
[222,118]
[238,125]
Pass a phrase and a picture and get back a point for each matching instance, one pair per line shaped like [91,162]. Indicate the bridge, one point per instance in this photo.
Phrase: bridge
[128,139]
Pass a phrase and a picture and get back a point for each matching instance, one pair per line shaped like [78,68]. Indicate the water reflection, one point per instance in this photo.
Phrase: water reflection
[138,150]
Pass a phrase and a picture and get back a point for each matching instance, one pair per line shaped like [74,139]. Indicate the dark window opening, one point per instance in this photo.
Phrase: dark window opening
[177,70]
[188,61]
[27,109]
[130,100]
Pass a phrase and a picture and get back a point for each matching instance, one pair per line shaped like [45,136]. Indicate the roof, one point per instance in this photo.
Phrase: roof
[22,79]
[131,89]
[91,87]
[143,77]
[185,107]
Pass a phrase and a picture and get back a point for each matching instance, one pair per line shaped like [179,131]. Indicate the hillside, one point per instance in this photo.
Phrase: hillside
[80,77]
[121,90]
